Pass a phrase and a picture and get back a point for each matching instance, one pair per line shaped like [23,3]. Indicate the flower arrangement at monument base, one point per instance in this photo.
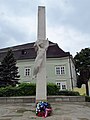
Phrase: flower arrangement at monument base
[43,109]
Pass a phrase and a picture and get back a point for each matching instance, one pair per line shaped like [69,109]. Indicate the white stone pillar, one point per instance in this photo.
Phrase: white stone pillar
[41,43]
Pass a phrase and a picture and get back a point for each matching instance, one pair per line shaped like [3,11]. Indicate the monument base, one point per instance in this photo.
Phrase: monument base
[44,100]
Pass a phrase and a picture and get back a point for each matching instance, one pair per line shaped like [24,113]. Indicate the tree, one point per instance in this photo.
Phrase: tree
[82,64]
[9,70]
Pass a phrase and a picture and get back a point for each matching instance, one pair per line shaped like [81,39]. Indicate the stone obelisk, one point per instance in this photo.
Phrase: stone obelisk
[41,46]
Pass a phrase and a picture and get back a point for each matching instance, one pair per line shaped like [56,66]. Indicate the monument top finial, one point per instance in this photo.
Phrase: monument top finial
[41,6]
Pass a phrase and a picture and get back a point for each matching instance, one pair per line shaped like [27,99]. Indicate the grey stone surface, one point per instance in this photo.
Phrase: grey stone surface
[41,46]
[61,111]
[31,99]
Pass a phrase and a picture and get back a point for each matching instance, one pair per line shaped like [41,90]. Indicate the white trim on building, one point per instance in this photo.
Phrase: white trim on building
[27,71]
[60,70]
[62,85]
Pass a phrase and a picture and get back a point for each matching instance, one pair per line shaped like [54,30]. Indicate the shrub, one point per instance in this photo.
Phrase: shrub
[8,91]
[26,89]
[29,89]
[1,92]
[87,98]
[68,93]
[23,89]
[52,89]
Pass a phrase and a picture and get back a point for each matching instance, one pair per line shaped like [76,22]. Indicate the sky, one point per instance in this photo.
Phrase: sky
[67,23]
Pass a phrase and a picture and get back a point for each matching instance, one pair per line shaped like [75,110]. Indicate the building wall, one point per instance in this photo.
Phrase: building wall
[22,64]
[52,77]
[72,73]
[50,70]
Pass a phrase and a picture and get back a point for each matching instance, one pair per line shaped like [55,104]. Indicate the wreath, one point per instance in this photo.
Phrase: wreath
[43,109]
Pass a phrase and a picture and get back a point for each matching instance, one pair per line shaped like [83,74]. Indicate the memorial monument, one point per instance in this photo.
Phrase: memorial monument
[41,46]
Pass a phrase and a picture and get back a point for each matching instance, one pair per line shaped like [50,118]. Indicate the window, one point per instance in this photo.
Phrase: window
[60,70]
[61,85]
[24,52]
[27,71]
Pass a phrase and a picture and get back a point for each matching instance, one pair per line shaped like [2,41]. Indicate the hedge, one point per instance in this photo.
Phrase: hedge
[87,98]
[68,93]
[24,89]
[52,89]
[29,89]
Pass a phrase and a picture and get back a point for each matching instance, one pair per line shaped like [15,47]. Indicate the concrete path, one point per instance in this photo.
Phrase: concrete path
[61,111]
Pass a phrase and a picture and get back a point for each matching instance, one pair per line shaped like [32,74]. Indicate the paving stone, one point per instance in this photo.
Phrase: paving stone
[61,111]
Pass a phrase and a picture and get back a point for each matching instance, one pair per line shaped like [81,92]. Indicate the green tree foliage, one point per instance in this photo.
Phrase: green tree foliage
[9,70]
[82,59]
[82,64]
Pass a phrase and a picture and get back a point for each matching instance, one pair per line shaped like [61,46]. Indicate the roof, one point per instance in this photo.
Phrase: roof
[27,51]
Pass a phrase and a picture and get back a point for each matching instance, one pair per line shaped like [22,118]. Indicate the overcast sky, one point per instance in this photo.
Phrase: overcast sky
[68,23]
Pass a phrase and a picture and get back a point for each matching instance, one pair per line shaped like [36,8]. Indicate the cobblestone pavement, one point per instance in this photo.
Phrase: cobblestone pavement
[61,111]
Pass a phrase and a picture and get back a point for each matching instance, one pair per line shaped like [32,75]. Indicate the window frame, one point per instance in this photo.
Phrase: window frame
[27,71]
[61,85]
[60,70]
